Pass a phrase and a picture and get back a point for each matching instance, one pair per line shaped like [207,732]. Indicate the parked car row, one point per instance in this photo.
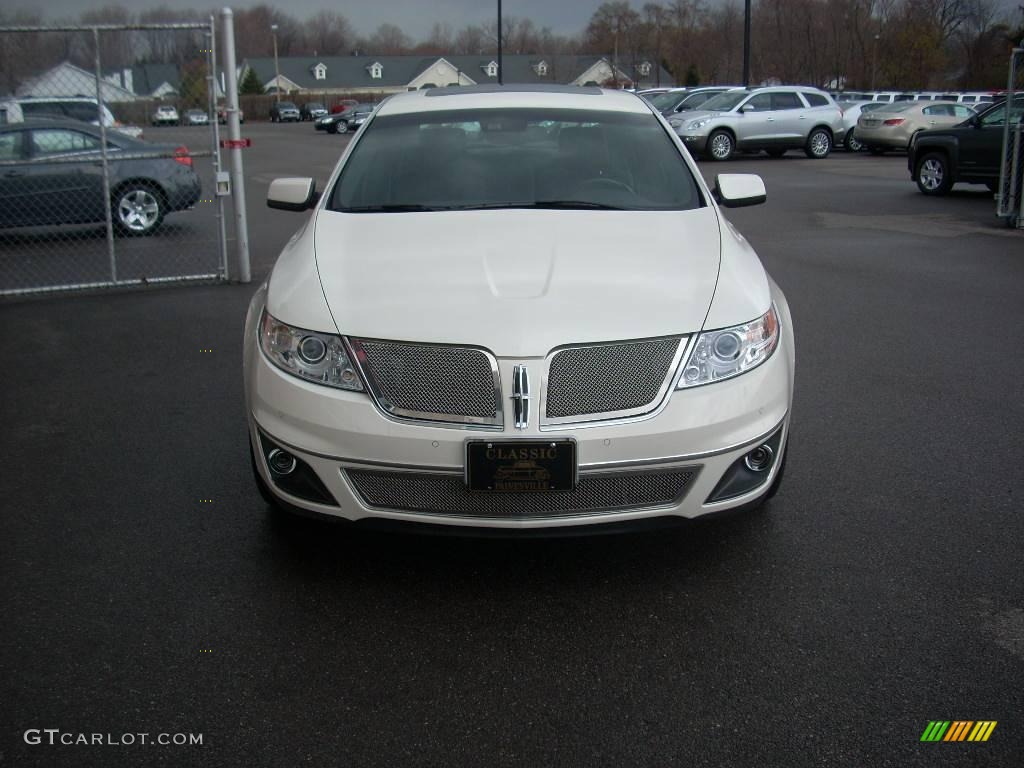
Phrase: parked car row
[80,108]
[774,119]
[346,120]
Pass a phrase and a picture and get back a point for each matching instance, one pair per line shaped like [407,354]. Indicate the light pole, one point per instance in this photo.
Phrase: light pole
[501,76]
[746,44]
[874,62]
[277,71]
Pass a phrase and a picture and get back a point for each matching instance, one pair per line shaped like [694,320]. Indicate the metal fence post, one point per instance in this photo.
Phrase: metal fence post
[217,164]
[103,155]
[235,136]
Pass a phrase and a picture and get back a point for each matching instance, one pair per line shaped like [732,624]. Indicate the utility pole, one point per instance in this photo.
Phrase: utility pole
[746,44]
[501,74]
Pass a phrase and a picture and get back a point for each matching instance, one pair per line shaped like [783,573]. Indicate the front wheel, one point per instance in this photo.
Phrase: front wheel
[852,143]
[720,145]
[819,144]
[932,174]
[138,209]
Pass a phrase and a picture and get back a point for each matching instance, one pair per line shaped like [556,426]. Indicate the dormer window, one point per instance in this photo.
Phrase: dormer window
[492,69]
[376,70]
[644,68]
[541,69]
[320,72]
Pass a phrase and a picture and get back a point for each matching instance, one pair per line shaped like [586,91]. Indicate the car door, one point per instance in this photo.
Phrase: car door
[942,115]
[756,125]
[13,208]
[981,145]
[65,177]
[790,118]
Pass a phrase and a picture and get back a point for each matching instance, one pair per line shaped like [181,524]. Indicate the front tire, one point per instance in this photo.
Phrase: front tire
[138,209]
[932,174]
[852,143]
[819,144]
[721,145]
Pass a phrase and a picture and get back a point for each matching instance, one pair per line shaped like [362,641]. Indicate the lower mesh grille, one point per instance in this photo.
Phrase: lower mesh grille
[608,377]
[436,494]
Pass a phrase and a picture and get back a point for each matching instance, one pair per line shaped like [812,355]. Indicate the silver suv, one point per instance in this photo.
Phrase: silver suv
[774,119]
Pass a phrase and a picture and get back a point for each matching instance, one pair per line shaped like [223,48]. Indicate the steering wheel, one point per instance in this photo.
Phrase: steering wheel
[609,183]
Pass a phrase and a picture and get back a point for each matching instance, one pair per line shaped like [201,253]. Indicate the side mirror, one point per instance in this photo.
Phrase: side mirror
[292,194]
[738,190]
[747,108]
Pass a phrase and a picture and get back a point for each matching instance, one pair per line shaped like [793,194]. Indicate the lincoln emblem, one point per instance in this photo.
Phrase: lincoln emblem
[521,396]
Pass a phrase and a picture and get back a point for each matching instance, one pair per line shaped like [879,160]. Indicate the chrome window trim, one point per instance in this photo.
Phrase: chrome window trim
[495,423]
[628,416]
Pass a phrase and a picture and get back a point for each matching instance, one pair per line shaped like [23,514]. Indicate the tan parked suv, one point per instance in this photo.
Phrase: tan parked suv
[774,119]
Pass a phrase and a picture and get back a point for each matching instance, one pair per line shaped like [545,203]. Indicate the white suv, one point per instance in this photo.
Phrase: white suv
[773,119]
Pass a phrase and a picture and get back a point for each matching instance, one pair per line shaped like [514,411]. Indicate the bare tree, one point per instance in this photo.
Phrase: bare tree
[327,33]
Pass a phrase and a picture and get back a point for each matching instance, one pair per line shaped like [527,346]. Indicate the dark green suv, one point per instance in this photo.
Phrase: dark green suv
[969,152]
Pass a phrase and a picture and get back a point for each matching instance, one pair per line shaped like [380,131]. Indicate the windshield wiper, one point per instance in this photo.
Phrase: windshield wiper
[391,208]
[543,204]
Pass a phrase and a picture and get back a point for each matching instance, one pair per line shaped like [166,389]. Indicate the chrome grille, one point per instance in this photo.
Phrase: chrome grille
[608,378]
[431,382]
[437,494]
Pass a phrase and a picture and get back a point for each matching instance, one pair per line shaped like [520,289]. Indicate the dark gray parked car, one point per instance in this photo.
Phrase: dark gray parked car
[50,173]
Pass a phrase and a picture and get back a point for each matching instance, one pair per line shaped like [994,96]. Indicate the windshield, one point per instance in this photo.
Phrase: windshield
[515,158]
[723,102]
[286,105]
[668,100]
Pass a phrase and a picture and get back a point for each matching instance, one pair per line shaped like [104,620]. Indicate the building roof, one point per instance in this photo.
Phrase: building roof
[146,78]
[398,71]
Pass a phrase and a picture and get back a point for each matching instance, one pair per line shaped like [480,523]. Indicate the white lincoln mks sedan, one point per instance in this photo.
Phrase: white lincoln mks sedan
[517,308]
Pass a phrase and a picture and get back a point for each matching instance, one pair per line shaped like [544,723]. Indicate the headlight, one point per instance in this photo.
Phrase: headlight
[316,357]
[695,124]
[731,351]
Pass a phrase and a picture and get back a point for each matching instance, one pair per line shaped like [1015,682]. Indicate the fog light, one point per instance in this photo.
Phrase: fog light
[759,459]
[280,462]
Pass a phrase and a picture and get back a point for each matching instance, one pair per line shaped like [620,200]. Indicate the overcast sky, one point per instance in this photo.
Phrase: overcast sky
[415,17]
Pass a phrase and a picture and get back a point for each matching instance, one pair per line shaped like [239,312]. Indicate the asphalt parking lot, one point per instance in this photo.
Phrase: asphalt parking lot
[147,589]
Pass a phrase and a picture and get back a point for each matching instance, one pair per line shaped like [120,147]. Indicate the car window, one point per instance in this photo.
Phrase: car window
[41,109]
[668,100]
[723,102]
[56,141]
[81,110]
[786,100]
[816,99]
[509,158]
[997,115]
[10,145]
[761,102]
[939,109]
[962,112]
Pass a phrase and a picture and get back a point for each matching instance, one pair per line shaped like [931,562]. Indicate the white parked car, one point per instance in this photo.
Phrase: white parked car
[517,308]
[165,115]
[774,119]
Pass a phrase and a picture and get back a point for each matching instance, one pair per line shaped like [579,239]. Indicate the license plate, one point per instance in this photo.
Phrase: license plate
[521,466]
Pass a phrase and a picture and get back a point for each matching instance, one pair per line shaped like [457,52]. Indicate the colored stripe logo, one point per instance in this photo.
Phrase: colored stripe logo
[958,730]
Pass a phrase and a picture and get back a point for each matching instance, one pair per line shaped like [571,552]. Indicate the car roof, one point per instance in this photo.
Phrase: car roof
[514,96]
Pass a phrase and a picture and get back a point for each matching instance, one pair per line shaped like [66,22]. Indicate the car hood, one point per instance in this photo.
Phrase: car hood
[518,282]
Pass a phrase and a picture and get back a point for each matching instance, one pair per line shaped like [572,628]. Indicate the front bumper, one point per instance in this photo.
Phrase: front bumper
[342,437]
[695,142]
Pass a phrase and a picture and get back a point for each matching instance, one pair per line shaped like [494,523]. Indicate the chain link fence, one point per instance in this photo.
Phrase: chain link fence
[110,158]
[1009,197]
